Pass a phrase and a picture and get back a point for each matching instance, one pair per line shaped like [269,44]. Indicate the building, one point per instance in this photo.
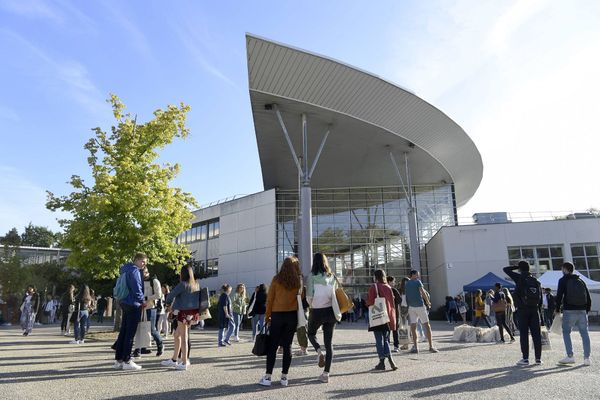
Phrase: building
[367,168]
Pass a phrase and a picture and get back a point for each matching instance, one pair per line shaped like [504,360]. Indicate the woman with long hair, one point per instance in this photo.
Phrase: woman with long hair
[382,332]
[257,309]
[83,302]
[281,315]
[238,306]
[510,310]
[499,309]
[479,310]
[29,309]
[184,300]
[462,308]
[67,305]
[320,292]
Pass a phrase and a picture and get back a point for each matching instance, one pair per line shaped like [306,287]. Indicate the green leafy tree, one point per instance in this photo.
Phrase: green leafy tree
[11,238]
[130,206]
[38,236]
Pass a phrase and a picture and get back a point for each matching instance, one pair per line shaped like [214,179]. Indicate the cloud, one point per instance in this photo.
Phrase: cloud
[23,201]
[511,20]
[34,9]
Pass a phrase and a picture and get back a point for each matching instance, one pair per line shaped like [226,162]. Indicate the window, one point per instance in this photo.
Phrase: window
[586,259]
[541,258]
[213,229]
[212,267]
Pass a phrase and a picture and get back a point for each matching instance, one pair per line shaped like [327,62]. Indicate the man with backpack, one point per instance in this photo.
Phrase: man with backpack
[528,299]
[129,292]
[574,298]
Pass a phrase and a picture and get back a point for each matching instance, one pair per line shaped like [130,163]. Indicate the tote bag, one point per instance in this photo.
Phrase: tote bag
[378,314]
[556,326]
[343,301]
[300,312]
[143,339]
[261,342]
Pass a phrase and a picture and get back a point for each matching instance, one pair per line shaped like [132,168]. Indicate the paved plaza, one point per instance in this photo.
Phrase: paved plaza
[44,366]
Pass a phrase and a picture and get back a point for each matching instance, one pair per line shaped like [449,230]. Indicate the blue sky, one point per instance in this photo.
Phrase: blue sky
[520,77]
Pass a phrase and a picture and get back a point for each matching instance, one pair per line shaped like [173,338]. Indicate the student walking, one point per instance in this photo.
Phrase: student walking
[510,310]
[184,299]
[225,317]
[548,307]
[238,306]
[258,308]
[320,290]
[397,303]
[461,305]
[528,297]
[282,317]
[499,307]
[101,305]
[29,309]
[67,306]
[574,298]
[480,310]
[83,304]
[403,308]
[418,302]
[382,332]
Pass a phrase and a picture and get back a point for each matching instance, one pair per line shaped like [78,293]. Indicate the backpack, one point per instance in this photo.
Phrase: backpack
[576,295]
[530,291]
[120,291]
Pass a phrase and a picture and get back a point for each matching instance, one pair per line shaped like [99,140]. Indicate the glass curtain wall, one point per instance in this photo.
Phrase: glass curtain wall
[363,229]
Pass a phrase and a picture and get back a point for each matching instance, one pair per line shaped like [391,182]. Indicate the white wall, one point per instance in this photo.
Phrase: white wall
[458,255]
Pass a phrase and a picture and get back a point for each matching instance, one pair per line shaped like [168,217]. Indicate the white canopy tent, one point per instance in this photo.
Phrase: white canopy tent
[550,280]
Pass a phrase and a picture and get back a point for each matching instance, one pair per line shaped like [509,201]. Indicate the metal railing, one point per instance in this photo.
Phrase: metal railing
[536,216]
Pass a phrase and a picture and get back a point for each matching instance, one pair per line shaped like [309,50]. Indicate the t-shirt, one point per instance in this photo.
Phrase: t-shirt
[413,293]
[224,301]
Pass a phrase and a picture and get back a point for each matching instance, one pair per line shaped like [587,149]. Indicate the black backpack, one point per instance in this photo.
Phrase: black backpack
[530,291]
[576,295]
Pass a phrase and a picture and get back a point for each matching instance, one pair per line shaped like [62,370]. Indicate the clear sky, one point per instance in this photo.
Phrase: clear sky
[521,77]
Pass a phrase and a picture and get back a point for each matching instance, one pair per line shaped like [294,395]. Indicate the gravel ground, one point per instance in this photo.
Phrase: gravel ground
[44,366]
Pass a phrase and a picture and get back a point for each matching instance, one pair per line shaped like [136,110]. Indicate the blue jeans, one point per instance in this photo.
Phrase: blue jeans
[81,325]
[130,319]
[382,342]
[237,322]
[578,318]
[258,322]
[226,331]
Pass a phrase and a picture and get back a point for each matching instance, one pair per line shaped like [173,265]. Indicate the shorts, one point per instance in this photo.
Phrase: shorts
[418,313]
[188,316]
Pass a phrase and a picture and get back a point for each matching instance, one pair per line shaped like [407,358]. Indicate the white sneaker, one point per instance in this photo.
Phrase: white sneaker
[264,381]
[587,362]
[82,341]
[567,361]
[74,342]
[118,365]
[131,366]
[188,363]
[396,350]
[182,367]
[236,339]
[168,363]
[284,381]
[523,362]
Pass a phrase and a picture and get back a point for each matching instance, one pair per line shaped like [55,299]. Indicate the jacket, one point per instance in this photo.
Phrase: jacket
[517,277]
[238,304]
[561,295]
[183,298]
[281,299]
[384,291]
[135,297]
[152,292]
[260,305]
[320,290]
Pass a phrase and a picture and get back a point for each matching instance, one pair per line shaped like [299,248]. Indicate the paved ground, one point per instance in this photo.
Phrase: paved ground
[45,366]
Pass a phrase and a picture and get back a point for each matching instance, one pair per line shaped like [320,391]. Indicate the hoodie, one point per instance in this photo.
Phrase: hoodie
[135,297]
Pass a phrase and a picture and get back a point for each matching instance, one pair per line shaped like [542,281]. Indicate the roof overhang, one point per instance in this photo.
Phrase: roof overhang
[368,118]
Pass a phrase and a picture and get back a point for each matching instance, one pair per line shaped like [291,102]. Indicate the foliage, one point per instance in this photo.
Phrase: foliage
[11,238]
[130,206]
[38,236]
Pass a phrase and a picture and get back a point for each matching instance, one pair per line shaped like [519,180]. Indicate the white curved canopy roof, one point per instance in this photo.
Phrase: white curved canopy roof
[368,117]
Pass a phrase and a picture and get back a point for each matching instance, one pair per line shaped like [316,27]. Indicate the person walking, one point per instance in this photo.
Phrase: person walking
[320,290]
[101,305]
[510,310]
[184,300]
[528,297]
[548,307]
[418,302]
[397,304]
[403,308]
[461,305]
[382,332]
[132,306]
[83,303]
[67,306]
[282,317]
[452,310]
[258,308]
[499,307]
[238,305]
[152,293]
[480,310]
[574,298]
[225,317]
[29,309]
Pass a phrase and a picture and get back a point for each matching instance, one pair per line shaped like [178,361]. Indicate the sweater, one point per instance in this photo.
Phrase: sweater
[281,299]
[385,291]
[135,297]
[320,290]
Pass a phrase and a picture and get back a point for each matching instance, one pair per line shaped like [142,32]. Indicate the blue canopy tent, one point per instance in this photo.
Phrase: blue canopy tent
[487,282]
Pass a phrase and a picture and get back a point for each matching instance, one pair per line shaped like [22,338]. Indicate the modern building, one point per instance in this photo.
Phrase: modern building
[381,170]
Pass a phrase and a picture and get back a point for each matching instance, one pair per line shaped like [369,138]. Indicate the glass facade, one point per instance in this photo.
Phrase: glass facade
[364,229]
[200,231]
[586,258]
[542,258]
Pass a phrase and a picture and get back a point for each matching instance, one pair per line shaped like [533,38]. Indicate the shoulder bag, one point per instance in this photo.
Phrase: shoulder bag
[378,314]
[344,302]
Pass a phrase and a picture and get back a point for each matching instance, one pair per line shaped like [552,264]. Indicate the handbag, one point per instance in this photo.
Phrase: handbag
[556,326]
[204,300]
[261,343]
[378,314]
[342,298]
[499,306]
[143,338]
[300,311]
[462,310]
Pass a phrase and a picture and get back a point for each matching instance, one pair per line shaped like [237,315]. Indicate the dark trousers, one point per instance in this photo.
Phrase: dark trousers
[529,320]
[485,319]
[322,317]
[64,322]
[501,322]
[100,315]
[281,333]
[548,318]
[131,317]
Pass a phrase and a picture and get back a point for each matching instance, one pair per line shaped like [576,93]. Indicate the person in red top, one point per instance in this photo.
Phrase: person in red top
[382,332]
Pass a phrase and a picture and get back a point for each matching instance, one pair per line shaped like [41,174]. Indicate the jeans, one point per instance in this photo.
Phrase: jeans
[258,322]
[225,330]
[322,317]
[81,325]
[578,318]
[237,322]
[485,319]
[382,342]
[529,320]
[283,327]
[131,316]
[151,316]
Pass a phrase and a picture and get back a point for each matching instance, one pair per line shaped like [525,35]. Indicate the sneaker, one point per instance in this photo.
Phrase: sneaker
[264,381]
[538,362]
[227,342]
[188,363]
[324,378]
[301,352]
[566,361]
[74,342]
[433,350]
[321,359]
[222,345]
[131,366]
[136,354]
[414,350]
[160,349]
[523,362]
[587,362]
[396,350]
[284,381]
[82,341]
[236,339]
[146,351]
[181,366]
[168,363]
[118,365]
[512,340]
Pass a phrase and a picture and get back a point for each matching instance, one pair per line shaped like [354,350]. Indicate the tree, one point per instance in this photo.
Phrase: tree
[38,236]
[130,206]
[11,238]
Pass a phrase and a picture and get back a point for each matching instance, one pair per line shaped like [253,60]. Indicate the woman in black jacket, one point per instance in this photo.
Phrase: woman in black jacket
[257,309]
